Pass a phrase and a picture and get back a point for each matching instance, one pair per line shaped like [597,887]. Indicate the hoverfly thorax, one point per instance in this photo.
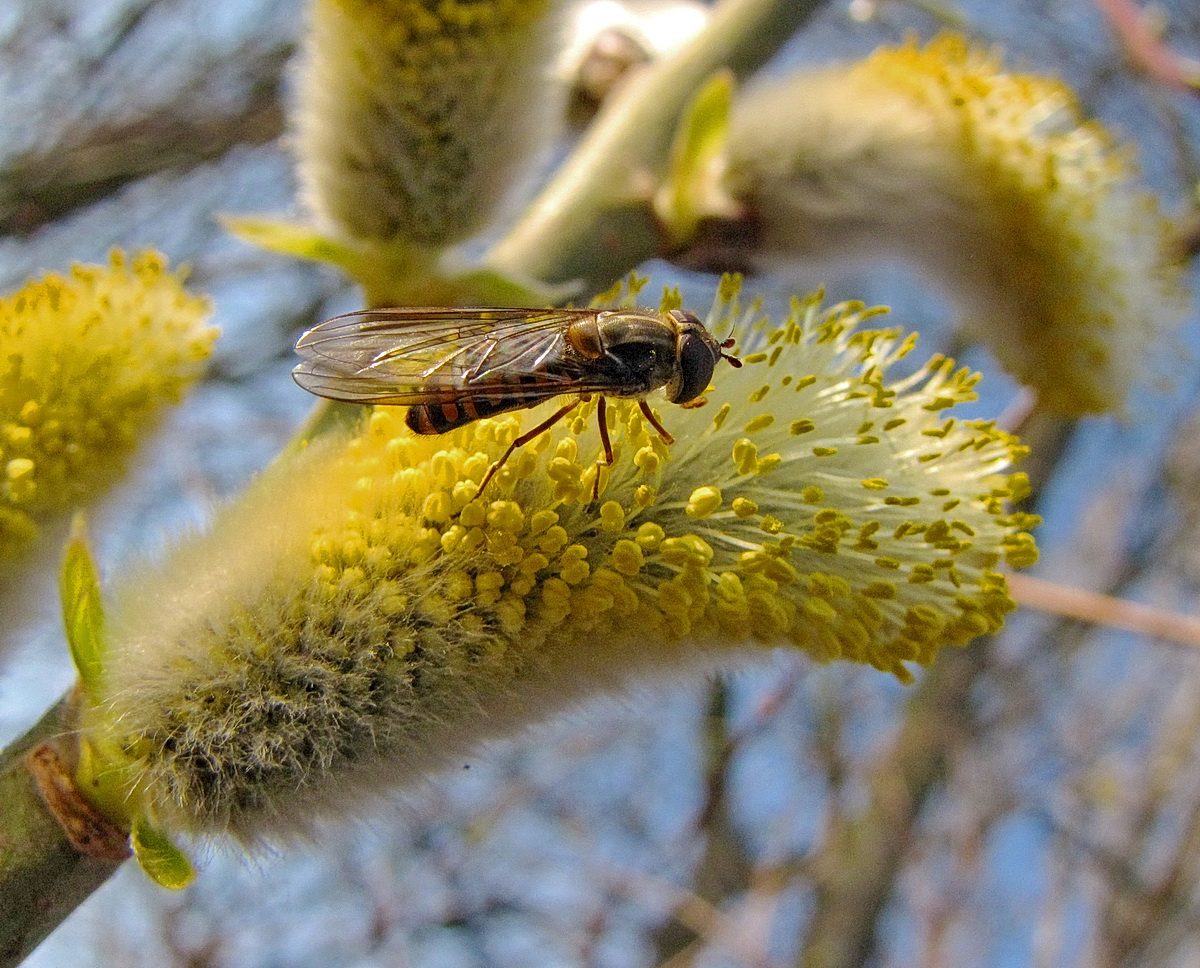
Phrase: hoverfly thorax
[638,351]
[695,357]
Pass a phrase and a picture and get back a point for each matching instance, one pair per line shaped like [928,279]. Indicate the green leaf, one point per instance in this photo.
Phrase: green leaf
[393,268]
[157,855]
[692,188]
[83,610]
[290,238]
[393,273]
[489,287]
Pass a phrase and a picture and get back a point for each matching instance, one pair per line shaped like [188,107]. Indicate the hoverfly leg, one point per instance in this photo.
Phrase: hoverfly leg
[602,420]
[524,439]
[649,415]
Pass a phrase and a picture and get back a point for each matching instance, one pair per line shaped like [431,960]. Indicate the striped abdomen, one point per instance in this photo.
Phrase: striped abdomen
[461,407]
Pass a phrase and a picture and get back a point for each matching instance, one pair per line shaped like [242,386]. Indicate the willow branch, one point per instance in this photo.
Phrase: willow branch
[92,162]
[593,221]
[724,868]
[43,875]
[856,868]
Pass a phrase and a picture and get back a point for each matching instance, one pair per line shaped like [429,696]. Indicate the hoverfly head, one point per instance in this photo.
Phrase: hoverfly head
[697,353]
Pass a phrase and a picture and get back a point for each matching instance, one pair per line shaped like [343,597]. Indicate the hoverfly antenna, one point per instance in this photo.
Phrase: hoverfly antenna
[732,360]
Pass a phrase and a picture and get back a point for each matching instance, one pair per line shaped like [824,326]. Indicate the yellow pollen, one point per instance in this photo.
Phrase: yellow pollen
[506,516]
[650,535]
[554,539]
[703,502]
[627,557]
[542,520]
[745,456]
[646,460]
[744,508]
[18,468]
[612,516]
[438,507]
[770,525]
[767,464]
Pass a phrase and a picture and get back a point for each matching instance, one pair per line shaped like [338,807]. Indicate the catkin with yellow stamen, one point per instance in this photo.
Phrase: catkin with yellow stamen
[415,115]
[88,361]
[363,614]
[1025,213]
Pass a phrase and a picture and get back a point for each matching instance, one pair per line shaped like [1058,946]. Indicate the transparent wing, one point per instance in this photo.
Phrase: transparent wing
[415,356]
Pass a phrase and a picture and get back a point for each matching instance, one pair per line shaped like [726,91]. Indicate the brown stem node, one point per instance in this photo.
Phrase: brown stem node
[90,832]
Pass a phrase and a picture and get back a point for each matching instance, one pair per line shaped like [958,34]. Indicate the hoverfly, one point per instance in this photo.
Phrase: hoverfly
[453,366]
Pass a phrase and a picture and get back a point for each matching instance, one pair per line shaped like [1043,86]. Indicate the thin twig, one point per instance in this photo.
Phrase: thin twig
[1105,610]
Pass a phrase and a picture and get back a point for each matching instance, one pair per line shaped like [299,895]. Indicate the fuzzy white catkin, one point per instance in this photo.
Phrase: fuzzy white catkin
[992,184]
[262,694]
[414,116]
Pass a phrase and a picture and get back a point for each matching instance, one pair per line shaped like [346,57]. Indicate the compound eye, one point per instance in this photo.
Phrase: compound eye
[695,369]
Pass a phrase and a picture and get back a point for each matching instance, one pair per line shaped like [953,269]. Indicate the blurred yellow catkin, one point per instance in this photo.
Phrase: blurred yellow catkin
[88,362]
[414,116]
[1026,214]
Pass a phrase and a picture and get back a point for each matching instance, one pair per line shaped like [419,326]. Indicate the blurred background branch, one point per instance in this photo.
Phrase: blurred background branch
[98,157]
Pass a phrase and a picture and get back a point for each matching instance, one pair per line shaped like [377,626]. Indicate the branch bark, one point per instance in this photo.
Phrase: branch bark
[95,161]
[43,878]
[724,868]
